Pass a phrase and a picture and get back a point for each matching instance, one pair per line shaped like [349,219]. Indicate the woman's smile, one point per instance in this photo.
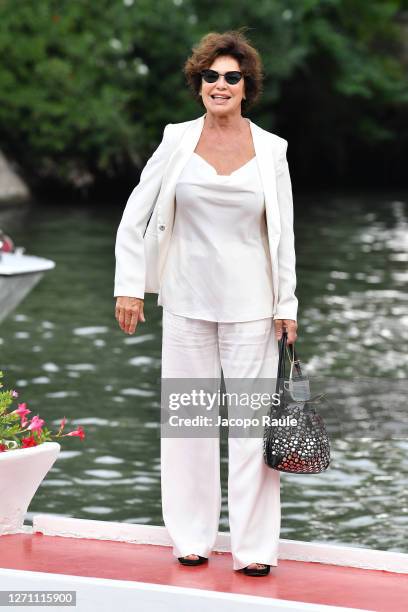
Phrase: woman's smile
[220,99]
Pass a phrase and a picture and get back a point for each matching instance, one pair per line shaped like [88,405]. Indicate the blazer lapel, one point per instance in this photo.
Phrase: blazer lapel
[174,167]
[265,159]
[166,198]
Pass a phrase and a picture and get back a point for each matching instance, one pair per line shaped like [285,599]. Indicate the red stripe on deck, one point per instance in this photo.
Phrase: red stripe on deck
[292,580]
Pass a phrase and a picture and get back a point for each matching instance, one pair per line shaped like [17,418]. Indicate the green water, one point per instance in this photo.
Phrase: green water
[63,351]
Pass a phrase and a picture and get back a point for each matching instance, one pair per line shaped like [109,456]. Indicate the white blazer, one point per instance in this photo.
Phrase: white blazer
[144,233]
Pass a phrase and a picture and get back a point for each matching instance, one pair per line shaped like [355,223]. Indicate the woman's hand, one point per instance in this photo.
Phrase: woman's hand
[288,325]
[128,312]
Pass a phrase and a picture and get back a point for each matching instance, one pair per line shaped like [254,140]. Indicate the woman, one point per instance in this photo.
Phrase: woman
[219,251]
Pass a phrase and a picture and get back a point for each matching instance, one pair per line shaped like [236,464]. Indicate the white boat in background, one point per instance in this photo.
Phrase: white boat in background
[19,273]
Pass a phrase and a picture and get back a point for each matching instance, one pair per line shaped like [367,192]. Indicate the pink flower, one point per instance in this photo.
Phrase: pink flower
[14,393]
[78,432]
[3,448]
[62,425]
[22,410]
[36,423]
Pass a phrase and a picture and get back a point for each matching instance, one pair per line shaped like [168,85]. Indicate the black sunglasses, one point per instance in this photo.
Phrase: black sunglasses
[232,77]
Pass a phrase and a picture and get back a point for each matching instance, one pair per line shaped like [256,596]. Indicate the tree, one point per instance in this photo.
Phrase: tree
[87,87]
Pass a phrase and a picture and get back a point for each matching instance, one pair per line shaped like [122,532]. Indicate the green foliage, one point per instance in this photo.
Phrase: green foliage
[82,84]
[86,87]
[6,398]
[362,39]
[9,422]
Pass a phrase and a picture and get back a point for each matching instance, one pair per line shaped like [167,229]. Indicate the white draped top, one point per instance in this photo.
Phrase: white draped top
[218,266]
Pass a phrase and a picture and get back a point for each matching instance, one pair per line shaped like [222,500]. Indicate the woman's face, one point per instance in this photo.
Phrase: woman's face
[232,94]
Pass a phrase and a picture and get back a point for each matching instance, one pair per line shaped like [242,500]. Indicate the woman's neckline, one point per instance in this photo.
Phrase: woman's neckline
[224,175]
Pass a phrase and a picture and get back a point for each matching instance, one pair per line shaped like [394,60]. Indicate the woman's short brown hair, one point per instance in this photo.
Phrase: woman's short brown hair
[235,44]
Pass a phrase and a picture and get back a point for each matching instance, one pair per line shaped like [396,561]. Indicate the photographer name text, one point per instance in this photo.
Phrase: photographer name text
[206,421]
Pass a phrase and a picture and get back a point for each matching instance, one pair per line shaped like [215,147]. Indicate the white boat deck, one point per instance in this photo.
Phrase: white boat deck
[111,565]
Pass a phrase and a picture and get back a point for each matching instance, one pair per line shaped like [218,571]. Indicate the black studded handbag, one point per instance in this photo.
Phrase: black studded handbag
[295,438]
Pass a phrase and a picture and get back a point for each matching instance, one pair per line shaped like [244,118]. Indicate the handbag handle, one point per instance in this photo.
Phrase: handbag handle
[290,349]
[280,376]
[293,358]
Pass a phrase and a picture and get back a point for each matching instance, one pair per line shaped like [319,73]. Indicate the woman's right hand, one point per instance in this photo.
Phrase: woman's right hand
[128,313]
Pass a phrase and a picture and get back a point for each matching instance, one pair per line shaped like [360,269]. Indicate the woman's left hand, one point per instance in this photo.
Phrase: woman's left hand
[288,325]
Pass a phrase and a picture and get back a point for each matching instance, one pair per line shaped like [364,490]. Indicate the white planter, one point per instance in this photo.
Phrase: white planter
[21,473]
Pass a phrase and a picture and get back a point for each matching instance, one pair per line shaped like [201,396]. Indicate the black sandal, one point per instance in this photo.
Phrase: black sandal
[253,571]
[199,561]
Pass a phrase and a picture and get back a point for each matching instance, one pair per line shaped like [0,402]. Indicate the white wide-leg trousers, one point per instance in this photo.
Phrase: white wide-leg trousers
[190,467]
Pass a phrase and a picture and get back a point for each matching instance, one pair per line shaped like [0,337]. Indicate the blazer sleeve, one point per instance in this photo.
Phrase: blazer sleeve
[129,247]
[287,303]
